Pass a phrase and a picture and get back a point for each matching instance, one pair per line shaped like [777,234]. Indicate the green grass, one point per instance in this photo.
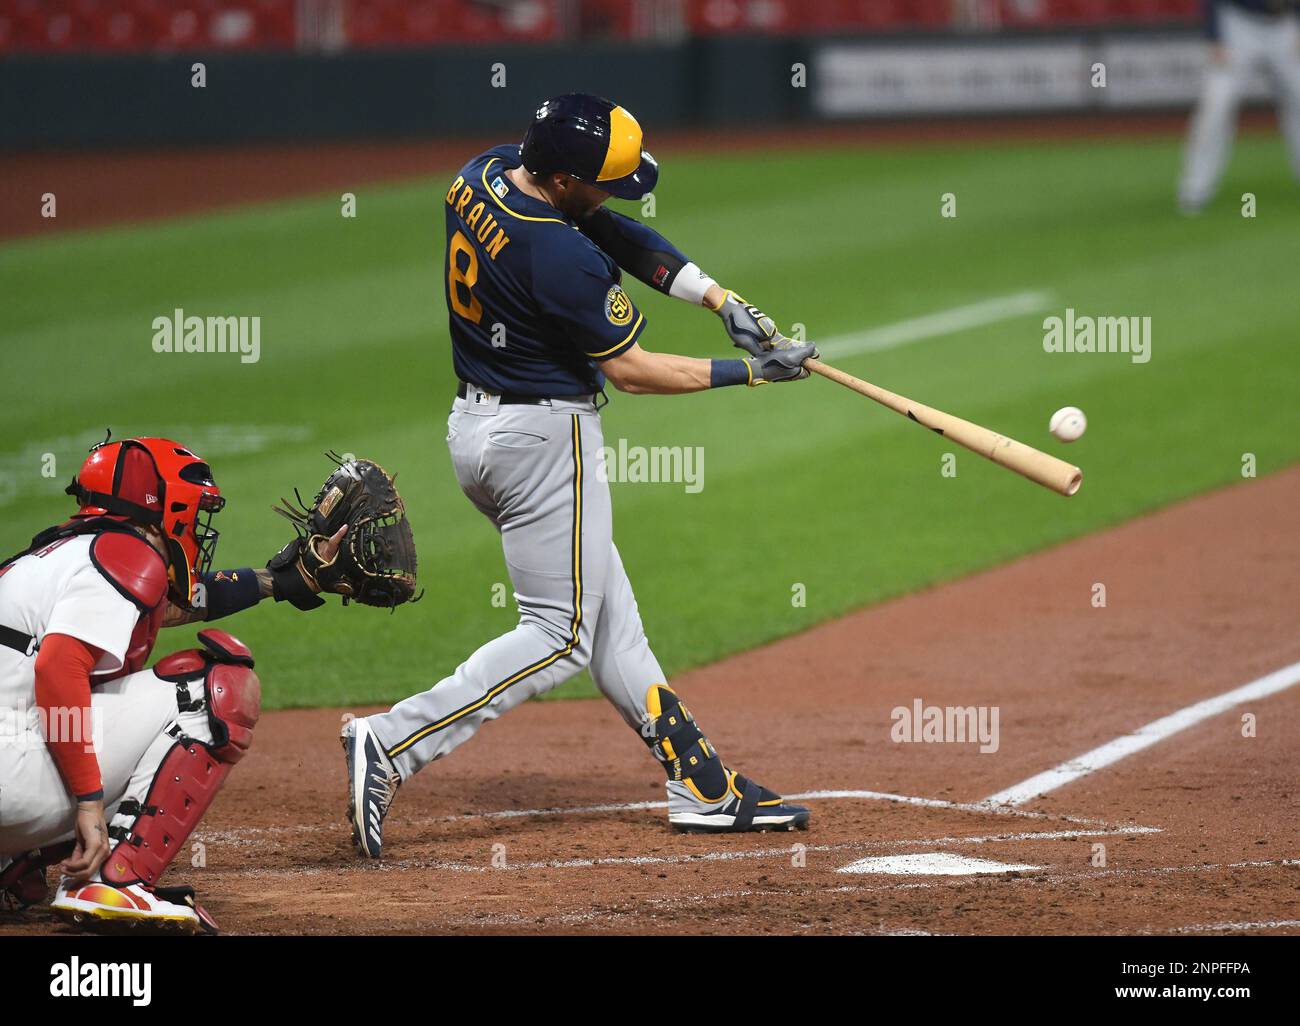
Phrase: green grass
[805,484]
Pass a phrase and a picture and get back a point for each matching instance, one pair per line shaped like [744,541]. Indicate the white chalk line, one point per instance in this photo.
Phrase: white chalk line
[222,440]
[929,803]
[759,853]
[1121,874]
[1269,924]
[1070,877]
[878,796]
[645,907]
[686,858]
[1144,737]
[238,835]
[935,325]
[676,901]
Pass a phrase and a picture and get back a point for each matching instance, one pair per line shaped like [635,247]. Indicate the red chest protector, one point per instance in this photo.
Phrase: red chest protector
[142,641]
[130,564]
[136,570]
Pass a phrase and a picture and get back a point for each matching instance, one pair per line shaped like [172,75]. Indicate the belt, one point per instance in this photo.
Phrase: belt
[22,643]
[507,398]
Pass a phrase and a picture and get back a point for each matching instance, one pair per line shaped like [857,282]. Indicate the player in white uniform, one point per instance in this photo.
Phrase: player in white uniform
[1245,35]
[106,767]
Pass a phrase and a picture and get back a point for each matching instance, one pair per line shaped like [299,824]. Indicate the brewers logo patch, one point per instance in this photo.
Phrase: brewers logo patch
[618,308]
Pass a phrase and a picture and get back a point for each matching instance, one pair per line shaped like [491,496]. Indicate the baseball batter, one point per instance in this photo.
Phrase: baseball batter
[106,766]
[539,322]
[1245,35]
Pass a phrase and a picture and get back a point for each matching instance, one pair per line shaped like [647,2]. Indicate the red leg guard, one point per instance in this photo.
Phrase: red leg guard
[192,771]
[234,704]
[187,781]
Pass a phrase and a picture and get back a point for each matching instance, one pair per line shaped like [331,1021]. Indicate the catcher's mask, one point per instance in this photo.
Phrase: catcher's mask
[156,482]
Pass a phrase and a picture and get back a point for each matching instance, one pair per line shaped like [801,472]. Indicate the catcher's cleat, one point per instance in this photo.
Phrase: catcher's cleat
[743,806]
[372,782]
[22,877]
[102,906]
[23,890]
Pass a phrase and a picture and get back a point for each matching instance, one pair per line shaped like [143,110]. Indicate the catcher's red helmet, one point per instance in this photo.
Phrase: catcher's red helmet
[155,482]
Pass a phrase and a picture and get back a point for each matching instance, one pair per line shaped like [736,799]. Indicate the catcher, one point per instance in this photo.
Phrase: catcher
[107,766]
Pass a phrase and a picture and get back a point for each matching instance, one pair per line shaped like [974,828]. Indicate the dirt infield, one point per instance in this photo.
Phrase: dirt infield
[112,187]
[1199,829]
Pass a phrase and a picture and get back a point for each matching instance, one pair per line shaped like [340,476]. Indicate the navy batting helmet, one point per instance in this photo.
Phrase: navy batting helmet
[592,139]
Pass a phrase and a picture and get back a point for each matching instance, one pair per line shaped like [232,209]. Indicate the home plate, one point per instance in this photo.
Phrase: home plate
[932,863]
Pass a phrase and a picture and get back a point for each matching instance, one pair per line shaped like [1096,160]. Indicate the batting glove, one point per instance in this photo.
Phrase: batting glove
[784,363]
[749,328]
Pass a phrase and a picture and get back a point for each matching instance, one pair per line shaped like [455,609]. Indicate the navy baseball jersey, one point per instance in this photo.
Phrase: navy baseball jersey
[534,304]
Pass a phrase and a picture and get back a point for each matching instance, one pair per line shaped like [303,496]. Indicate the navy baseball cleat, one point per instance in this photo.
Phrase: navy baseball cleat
[743,806]
[372,782]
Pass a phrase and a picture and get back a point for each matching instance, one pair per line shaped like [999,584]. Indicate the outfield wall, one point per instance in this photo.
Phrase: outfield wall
[736,81]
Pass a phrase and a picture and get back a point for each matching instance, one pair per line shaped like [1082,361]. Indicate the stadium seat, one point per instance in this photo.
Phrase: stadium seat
[26,24]
[606,18]
[111,27]
[370,24]
[120,26]
[935,14]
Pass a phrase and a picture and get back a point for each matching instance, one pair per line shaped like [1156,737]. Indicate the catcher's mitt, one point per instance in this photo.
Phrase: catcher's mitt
[375,563]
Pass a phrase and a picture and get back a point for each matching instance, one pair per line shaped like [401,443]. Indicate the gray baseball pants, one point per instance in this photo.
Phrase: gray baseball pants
[533,471]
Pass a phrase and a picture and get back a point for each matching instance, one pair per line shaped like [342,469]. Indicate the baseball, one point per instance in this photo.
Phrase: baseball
[1068,423]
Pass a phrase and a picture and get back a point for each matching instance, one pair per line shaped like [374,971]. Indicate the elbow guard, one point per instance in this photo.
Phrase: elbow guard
[641,251]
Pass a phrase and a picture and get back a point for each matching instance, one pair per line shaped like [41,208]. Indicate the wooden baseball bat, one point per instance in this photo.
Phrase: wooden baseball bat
[1039,467]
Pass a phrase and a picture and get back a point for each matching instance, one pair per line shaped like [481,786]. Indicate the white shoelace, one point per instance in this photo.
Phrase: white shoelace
[382,787]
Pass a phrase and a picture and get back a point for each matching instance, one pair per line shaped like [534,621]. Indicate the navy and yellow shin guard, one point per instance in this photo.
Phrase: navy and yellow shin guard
[681,746]
[703,795]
